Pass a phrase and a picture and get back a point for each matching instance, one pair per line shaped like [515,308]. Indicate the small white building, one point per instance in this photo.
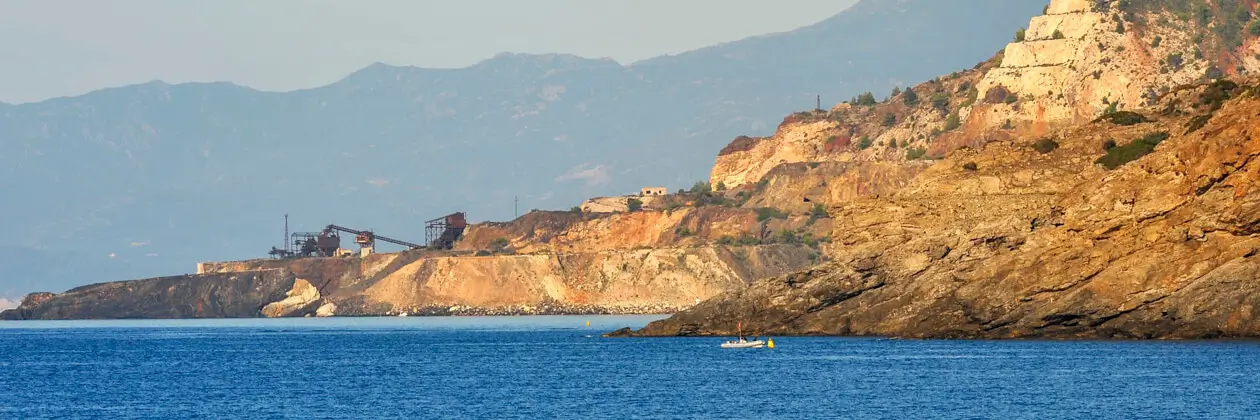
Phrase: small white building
[654,191]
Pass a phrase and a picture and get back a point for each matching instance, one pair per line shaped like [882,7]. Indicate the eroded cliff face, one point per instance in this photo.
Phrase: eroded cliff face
[1007,241]
[684,226]
[625,281]
[1079,60]
[1082,56]
[218,295]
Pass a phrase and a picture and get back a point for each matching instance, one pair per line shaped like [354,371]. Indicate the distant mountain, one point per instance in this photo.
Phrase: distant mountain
[148,179]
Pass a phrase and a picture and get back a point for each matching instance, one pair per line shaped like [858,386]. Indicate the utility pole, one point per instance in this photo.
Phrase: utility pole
[286,233]
[818,102]
[516,211]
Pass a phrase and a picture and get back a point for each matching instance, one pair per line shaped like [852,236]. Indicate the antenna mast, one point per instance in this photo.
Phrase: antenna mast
[287,246]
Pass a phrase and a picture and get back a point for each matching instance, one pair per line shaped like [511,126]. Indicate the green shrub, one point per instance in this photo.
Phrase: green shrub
[1124,118]
[1112,108]
[767,213]
[1058,34]
[683,232]
[1197,122]
[725,240]
[890,120]
[1109,144]
[864,143]
[1217,93]
[746,240]
[952,122]
[818,212]
[1046,145]
[1121,155]
[940,101]
[910,98]
[915,153]
[1019,35]
[865,99]
[498,244]
[576,209]
[634,204]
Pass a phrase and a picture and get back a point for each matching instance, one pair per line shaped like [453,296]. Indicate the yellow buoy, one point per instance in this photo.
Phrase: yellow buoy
[770,343]
[588,323]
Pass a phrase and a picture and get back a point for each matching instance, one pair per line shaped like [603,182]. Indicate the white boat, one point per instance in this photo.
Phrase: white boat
[744,344]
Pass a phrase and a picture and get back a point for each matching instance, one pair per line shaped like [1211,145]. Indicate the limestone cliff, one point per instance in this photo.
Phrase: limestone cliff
[418,282]
[1038,238]
[1079,60]
[1082,56]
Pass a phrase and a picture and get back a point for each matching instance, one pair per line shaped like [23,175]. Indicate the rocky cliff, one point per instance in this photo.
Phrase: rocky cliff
[219,295]
[1113,229]
[419,282]
[1083,56]
[1078,60]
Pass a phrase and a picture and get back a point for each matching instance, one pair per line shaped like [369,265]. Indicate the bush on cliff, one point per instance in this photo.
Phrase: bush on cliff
[915,153]
[910,98]
[865,99]
[1197,122]
[1120,155]
[634,204]
[767,213]
[952,122]
[498,244]
[1046,145]
[1124,118]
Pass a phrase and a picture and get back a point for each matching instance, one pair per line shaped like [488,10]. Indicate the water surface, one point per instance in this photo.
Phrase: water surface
[558,367]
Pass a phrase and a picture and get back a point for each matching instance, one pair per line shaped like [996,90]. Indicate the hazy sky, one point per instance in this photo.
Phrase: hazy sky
[69,47]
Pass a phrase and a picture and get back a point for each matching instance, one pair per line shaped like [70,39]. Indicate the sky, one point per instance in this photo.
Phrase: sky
[56,48]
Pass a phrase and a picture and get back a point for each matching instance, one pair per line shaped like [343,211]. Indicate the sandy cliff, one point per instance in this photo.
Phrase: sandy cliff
[419,282]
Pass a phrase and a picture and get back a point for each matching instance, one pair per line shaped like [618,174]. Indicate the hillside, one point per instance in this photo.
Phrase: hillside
[145,180]
[1034,214]
[418,282]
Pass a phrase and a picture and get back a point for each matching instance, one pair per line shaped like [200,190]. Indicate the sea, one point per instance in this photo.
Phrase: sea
[558,367]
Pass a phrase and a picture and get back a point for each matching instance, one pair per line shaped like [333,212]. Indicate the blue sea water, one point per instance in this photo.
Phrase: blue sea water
[558,367]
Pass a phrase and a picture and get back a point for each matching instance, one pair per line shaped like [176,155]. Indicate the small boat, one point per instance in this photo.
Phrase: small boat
[741,343]
[744,343]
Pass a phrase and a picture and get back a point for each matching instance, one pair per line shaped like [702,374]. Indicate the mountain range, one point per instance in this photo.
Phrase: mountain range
[148,179]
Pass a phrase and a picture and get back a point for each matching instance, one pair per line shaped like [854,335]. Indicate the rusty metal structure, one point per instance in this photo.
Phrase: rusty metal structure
[367,238]
[442,232]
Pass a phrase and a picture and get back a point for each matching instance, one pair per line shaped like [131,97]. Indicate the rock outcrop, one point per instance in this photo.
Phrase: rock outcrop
[1032,239]
[301,299]
[219,295]
[1082,56]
